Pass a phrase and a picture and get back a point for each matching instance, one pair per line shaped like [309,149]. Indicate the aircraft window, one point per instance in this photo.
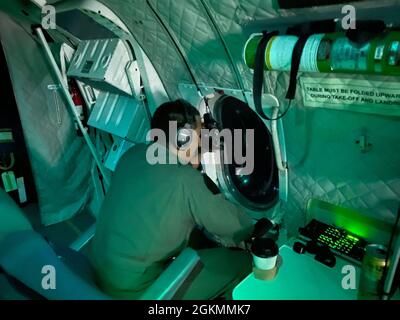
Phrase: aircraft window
[257,190]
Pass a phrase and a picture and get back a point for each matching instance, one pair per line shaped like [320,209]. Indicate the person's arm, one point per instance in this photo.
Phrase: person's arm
[228,222]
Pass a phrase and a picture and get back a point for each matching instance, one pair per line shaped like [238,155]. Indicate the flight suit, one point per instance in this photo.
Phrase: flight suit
[147,217]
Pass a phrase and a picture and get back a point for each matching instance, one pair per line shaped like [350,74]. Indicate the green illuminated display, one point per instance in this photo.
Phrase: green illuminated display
[336,240]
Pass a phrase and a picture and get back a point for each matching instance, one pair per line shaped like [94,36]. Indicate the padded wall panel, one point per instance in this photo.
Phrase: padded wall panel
[324,160]
[154,41]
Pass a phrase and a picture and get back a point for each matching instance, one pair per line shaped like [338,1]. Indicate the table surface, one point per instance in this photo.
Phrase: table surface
[300,277]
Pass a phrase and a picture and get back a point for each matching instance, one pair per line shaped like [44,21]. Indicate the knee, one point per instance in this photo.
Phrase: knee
[243,261]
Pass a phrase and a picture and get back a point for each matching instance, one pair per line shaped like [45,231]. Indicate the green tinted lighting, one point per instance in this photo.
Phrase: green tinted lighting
[352,238]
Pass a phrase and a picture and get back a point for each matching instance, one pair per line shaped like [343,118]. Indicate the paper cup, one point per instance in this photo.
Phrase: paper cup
[264,263]
[264,252]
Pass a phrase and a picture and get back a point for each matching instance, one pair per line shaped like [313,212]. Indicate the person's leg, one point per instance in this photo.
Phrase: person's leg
[222,270]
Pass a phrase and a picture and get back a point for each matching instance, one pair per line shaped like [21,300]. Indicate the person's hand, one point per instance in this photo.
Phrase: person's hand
[261,227]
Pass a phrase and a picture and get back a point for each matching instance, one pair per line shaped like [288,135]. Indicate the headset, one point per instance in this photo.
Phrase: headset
[184,134]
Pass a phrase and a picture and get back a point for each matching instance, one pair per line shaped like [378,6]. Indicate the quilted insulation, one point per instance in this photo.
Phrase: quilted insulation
[324,159]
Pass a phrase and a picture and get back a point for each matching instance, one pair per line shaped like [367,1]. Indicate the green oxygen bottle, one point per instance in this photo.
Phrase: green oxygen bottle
[330,53]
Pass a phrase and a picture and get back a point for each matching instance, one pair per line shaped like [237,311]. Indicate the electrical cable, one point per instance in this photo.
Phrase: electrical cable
[224,45]
[283,114]
[179,51]
[176,46]
[258,76]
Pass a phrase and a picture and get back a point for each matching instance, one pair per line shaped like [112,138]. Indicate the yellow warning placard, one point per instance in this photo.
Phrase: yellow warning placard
[377,97]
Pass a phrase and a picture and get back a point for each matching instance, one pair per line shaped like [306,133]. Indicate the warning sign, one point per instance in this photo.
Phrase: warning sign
[376,97]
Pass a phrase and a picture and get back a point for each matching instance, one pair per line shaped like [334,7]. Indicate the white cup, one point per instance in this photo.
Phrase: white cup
[265,253]
[264,263]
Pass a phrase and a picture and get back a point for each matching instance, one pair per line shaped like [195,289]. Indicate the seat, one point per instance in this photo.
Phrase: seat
[174,276]
[24,253]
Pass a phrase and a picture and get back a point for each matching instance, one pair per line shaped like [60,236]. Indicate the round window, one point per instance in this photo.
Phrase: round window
[248,173]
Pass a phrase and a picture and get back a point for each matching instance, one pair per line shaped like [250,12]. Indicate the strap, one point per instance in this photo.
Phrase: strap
[258,78]
[294,69]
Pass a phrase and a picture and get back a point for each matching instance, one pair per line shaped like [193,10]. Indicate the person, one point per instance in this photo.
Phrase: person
[151,209]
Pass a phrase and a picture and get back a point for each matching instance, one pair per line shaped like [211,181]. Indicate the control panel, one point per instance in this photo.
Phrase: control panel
[338,240]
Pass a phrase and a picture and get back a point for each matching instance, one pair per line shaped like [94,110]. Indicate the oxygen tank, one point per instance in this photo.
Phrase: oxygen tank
[330,53]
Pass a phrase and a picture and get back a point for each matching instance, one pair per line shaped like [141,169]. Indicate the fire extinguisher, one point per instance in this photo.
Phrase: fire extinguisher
[79,106]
